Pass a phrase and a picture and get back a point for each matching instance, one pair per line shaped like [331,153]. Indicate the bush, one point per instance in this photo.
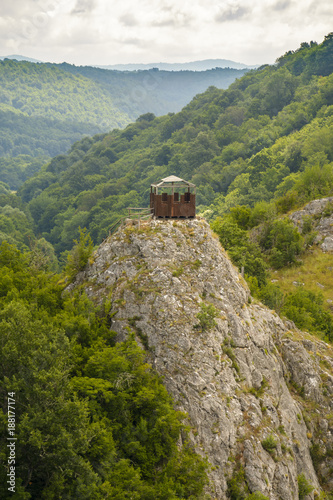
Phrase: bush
[79,255]
[287,202]
[262,212]
[306,310]
[237,487]
[206,317]
[304,487]
[257,496]
[283,243]
[269,444]
[241,250]
[272,296]
[241,215]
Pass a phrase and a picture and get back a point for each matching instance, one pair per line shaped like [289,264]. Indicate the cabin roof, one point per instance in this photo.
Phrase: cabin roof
[173,180]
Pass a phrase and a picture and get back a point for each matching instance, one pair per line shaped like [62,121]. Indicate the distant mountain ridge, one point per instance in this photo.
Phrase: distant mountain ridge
[203,65]
[20,58]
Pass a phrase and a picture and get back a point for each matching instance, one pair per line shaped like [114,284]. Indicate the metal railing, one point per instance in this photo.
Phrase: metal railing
[115,226]
[139,212]
[133,213]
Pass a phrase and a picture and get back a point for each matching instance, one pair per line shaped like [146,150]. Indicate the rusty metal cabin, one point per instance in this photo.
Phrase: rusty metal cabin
[173,197]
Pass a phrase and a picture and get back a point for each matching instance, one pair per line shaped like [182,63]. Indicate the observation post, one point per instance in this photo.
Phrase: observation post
[173,198]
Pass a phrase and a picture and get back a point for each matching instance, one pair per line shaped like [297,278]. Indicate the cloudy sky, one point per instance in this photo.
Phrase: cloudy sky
[124,31]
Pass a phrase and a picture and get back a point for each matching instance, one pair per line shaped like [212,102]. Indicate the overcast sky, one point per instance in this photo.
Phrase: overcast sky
[124,31]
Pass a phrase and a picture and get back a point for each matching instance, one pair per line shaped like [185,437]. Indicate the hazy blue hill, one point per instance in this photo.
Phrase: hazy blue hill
[158,92]
[20,58]
[192,66]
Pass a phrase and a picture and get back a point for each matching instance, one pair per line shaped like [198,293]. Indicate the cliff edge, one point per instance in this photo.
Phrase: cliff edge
[258,393]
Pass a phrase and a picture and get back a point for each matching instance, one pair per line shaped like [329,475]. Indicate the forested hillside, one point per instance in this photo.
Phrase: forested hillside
[159,92]
[94,419]
[37,89]
[264,143]
[46,107]
[249,143]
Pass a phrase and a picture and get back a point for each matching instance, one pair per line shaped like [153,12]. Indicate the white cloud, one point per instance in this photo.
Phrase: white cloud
[282,5]
[84,7]
[104,32]
[128,20]
[232,12]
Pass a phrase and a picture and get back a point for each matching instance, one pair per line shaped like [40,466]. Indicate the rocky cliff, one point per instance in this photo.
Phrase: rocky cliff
[258,393]
[318,214]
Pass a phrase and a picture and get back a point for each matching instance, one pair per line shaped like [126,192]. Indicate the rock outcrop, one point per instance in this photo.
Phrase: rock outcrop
[319,213]
[258,393]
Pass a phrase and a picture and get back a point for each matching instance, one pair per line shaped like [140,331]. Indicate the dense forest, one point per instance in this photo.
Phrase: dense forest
[252,142]
[256,150]
[153,90]
[93,419]
[45,108]
[264,143]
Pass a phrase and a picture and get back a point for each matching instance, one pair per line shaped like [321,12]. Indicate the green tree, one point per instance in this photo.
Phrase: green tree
[241,250]
[92,418]
[306,309]
[283,242]
[79,255]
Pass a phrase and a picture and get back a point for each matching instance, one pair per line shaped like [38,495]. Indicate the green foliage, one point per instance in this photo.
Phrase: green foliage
[242,251]
[237,487]
[16,225]
[93,419]
[206,317]
[260,392]
[30,140]
[15,171]
[42,256]
[314,182]
[281,245]
[269,444]
[79,255]
[304,487]
[262,212]
[241,216]
[47,90]
[230,353]
[178,272]
[240,146]
[306,309]
[257,496]
[283,242]
[44,108]
[272,296]
[318,455]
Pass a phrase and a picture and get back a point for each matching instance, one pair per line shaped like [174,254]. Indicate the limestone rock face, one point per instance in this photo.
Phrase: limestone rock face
[244,379]
[320,212]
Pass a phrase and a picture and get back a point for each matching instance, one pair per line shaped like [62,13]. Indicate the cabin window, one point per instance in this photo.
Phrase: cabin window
[176,197]
[164,197]
[187,197]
